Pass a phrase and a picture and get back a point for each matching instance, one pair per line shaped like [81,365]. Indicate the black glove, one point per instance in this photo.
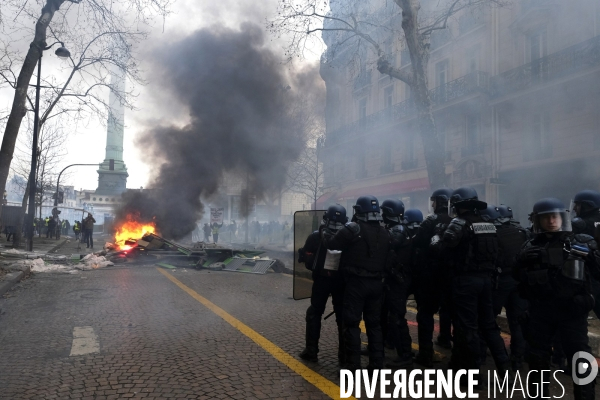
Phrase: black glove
[584,302]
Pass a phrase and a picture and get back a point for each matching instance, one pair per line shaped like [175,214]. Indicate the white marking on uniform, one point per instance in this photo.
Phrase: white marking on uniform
[85,341]
[483,227]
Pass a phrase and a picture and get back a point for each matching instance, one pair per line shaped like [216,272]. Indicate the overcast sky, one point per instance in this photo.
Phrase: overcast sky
[88,144]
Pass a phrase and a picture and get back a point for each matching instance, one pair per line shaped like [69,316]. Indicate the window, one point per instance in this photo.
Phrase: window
[472,139]
[388,97]
[537,144]
[409,161]
[94,199]
[472,58]
[537,45]
[362,108]
[472,131]
[386,160]
[360,164]
[441,78]
[407,93]
[441,73]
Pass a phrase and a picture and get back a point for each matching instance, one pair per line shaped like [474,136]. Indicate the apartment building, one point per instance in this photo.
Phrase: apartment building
[516,95]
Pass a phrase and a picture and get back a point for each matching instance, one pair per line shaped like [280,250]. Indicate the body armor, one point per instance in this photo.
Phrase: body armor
[560,272]
[510,240]
[364,246]
[587,224]
[474,242]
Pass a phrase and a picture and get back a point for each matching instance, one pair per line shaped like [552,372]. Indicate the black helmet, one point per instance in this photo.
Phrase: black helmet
[413,219]
[413,215]
[463,194]
[335,217]
[367,209]
[465,197]
[550,215]
[589,200]
[336,213]
[440,197]
[490,214]
[506,213]
[393,211]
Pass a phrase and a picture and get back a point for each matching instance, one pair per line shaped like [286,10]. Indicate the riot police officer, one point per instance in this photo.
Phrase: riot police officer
[430,279]
[587,220]
[553,271]
[324,265]
[412,220]
[473,246]
[364,244]
[397,282]
[511,237]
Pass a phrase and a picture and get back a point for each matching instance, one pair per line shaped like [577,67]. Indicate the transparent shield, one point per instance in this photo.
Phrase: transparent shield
[431,207]
[305,223]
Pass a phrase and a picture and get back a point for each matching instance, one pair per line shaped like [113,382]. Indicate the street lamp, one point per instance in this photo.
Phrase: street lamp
[63,53]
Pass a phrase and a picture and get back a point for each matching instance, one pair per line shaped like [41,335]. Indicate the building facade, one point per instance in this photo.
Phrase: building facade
[515,94]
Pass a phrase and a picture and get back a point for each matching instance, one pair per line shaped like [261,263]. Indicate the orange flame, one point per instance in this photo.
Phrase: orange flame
[132,230]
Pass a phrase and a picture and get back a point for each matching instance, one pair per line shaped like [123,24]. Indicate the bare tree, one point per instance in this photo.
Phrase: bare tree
[51,151]
[306,174]
[100,35]
[379,26]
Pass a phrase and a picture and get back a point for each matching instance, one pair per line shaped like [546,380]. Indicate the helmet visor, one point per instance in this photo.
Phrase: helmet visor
[557,220]
[451,210]
[431,207]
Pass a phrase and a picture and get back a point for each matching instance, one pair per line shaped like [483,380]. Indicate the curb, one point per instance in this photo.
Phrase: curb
[11,279]
[593,338]
[58,246]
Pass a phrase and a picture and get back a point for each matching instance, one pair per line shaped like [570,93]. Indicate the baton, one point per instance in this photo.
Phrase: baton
[329,315]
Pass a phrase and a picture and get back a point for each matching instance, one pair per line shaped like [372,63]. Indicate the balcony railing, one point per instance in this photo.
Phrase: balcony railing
[562,63]
[471,150]
[473,82]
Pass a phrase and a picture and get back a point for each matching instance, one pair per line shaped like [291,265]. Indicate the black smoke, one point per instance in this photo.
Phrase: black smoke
[245,117]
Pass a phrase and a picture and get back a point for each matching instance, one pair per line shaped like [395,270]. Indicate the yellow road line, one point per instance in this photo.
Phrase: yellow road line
[326,386]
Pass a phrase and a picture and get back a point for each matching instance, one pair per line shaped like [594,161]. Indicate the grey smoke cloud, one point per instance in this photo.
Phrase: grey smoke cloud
[244,118]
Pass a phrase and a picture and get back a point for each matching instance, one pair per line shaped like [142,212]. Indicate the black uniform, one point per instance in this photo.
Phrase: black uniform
[431,284]
[397,284]
[557,303]
[325,282]
[589,224]
[365,247]
[511,238]
[472,245]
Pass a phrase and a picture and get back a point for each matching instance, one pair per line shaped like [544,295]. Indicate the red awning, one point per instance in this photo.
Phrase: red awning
[321,201]
[389,189]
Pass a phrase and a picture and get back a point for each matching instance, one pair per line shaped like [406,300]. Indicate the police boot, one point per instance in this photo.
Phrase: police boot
[425,357]
[516,362]
[402,362]
[310,352]
[505,369]
[444,341]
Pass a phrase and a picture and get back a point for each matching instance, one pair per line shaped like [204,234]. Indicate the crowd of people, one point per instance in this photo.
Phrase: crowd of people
[53,227]
[267,232]
[467,260]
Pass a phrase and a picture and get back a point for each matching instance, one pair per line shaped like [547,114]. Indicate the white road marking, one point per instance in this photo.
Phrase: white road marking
[85,341]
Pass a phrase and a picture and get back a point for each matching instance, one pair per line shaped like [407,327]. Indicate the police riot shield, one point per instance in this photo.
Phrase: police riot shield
[305,223]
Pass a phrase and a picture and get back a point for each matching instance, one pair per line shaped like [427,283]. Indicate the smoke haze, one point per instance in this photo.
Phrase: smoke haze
[246,116]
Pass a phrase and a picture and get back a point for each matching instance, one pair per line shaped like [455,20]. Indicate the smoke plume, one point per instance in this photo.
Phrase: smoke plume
[246,116]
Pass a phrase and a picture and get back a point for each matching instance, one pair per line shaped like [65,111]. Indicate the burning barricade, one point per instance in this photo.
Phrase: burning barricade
[139,243]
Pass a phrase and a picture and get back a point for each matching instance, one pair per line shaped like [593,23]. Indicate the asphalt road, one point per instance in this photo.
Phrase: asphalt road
[143,332]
